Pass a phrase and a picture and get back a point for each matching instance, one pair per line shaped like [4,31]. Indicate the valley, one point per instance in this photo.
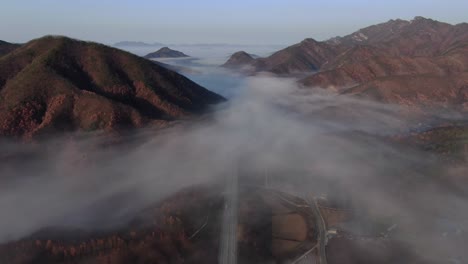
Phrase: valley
[349,150]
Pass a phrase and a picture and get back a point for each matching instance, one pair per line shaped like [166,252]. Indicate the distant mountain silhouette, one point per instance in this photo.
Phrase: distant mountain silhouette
[6,47]
[137,44]
[166,52]
[57,84]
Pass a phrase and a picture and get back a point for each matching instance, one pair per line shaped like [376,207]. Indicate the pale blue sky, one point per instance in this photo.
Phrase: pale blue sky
[210,21]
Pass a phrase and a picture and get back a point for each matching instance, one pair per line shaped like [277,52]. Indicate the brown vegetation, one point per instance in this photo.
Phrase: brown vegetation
[163,234]
[418,62]
[56,83]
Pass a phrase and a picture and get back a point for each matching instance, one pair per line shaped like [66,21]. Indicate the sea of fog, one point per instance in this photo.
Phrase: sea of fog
[204,61]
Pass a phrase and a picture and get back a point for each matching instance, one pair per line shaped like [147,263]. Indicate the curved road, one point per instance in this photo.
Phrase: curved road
[322,229]
[322,238]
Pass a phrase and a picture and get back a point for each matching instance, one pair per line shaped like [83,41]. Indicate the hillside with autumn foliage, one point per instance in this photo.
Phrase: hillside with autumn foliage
[61,84]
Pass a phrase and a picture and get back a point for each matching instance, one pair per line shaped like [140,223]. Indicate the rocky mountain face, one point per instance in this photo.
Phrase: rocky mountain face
[166,53]
[307,56]
[404,62]
[6,47]
[418,37]
[61,84]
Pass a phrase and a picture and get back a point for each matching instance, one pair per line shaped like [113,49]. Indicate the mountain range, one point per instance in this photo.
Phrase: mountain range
[415,62]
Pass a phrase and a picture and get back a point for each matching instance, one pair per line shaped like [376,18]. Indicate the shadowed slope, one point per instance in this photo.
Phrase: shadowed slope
[6,47]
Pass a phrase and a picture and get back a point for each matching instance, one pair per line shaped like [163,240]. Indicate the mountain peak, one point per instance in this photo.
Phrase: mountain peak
[239,59]
[309,40]
[420,18]
[166,52]
[242,54]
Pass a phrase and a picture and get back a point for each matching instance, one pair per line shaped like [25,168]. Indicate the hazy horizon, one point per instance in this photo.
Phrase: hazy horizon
[208,21]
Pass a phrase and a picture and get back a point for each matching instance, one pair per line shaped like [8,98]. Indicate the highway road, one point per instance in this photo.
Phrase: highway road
[228,247]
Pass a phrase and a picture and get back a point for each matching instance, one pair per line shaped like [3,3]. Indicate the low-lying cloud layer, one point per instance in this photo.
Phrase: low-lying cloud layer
[308,142]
